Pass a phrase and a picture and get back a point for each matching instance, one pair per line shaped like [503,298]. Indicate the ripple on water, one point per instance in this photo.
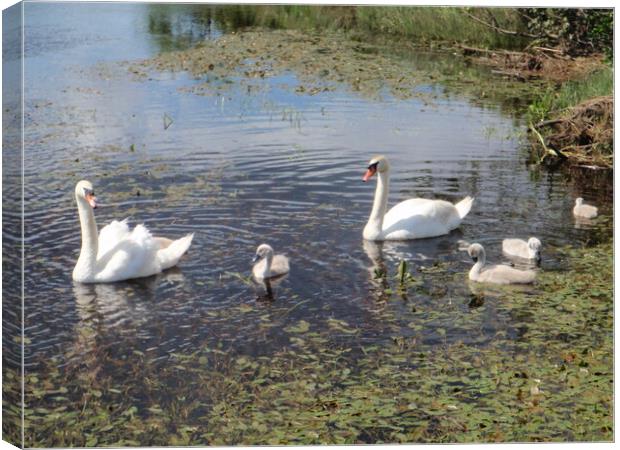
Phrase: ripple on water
[236,174]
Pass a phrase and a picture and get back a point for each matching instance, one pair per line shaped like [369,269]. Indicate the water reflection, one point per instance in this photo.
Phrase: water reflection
[482,292]
[583,223]
[266,290]
[178,27]
[378,270]
[108,311]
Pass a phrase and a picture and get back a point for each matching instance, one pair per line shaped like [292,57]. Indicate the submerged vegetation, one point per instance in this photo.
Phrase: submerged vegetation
[544,374]
[320,61]
[324,62]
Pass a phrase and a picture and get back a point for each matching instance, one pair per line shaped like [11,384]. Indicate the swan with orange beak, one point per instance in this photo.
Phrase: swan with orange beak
[118,253]
[415,218]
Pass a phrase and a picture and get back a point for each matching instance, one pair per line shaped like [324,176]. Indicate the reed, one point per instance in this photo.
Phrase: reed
[555,101]
[419,24]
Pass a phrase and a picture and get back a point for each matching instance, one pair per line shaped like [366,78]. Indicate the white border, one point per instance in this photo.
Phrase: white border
[497,3]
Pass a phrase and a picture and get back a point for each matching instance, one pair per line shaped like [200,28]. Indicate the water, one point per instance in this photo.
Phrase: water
[249,167]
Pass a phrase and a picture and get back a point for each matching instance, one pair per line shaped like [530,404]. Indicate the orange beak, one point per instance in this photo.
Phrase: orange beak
[92,201]
[369,173]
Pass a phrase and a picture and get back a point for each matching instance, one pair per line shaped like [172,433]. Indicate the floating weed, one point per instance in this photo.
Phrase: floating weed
[341,325]
[319,61]
[300,327]
[245,308]
[245,279]
[545,375]
[437,267]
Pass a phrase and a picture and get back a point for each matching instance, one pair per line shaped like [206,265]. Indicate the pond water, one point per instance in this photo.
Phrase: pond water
[248,166]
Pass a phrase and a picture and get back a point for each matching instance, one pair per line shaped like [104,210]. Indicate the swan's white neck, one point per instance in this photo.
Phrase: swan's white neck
[374,227]
[85,266]
[474,273]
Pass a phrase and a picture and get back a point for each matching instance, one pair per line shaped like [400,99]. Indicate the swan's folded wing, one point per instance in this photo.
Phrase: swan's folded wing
[111,235]
[507,275]
[280,265]
[418,218]
[133,257]
[438,210]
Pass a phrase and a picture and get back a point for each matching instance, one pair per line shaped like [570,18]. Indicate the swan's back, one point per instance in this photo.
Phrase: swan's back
[515,247]
[279,266]
[585,211]
[138,254]
[110,235]
[134,256]
[522,249]
[500,274]
[419,218]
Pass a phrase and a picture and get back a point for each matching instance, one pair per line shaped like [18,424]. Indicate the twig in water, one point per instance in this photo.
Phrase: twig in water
[498,29]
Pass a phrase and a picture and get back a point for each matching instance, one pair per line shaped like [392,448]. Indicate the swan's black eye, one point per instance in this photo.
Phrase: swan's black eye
[373,166]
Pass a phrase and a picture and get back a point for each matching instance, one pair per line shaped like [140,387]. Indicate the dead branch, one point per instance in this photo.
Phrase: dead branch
[508,73]
[512,32]
[468,49]
[499,29]
[546,123]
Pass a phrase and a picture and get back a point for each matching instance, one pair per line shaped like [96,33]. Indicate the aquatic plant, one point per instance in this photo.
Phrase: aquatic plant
[544,374]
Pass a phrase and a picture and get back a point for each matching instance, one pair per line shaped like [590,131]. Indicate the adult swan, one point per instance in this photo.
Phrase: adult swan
[415,218]
[118,253]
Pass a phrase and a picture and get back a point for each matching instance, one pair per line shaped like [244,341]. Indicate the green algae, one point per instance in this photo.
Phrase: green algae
[326,61]
[545,376]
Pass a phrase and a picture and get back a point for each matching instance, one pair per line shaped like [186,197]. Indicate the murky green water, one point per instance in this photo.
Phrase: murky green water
[196,355]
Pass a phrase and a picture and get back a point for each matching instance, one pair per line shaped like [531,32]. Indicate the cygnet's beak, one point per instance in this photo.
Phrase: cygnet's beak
[538,259]
[256,258]
[474,258]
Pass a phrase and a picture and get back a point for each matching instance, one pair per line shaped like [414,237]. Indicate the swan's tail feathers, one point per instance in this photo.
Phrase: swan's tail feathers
[464,206]
[170,255]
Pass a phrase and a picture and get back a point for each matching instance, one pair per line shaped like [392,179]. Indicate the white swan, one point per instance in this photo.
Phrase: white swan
[267,264]
[415,218]
[522,249]
[497,274]
[118,253]
[583,210]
